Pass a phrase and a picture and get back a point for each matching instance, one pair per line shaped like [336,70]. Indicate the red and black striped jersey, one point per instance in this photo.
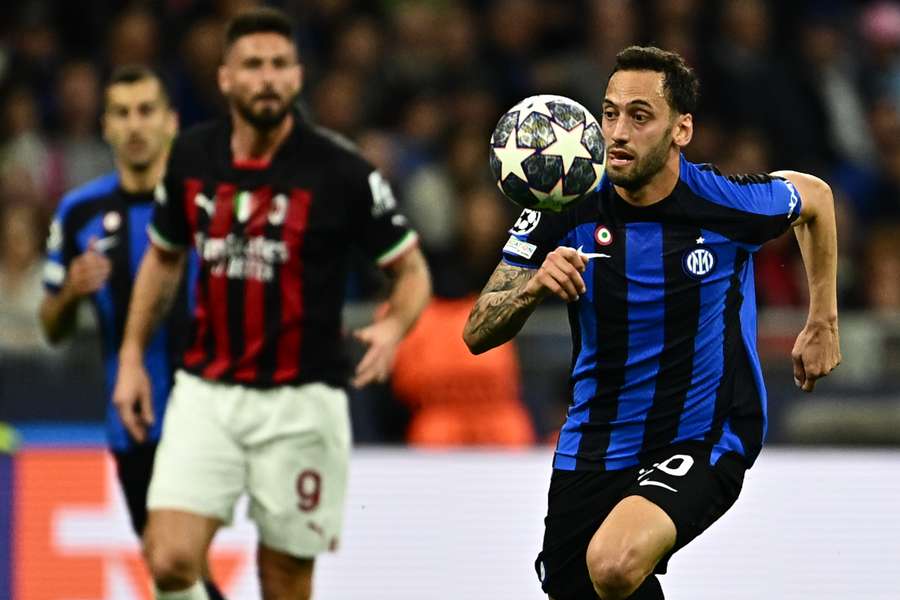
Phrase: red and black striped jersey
[274,241]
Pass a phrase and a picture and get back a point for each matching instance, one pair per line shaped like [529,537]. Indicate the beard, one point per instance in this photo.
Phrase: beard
[644,168]
[264,119]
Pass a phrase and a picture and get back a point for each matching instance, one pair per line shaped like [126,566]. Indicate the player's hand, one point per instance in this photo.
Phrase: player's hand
[382,338]
[816,353]
[133,400]
[560,275]
[88,271]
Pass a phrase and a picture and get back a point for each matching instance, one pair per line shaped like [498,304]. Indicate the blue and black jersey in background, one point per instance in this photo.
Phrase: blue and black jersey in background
[117,221]
[664,339]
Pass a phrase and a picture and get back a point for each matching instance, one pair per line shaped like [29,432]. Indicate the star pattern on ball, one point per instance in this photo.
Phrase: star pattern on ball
[533,106]
[556,194]
[568,145]
[598,174]
[511,157]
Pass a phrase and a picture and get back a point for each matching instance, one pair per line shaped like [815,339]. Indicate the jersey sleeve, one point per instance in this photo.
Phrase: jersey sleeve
[764,206]
[60,250]
[383,233]
[169,229]
[532,237]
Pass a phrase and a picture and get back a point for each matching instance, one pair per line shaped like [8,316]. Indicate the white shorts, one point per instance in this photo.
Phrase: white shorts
[288,447]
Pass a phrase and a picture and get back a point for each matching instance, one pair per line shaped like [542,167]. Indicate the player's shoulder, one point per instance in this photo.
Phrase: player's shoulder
[96,189]
[200,137]
[707,180]
[337,148]
[746,191]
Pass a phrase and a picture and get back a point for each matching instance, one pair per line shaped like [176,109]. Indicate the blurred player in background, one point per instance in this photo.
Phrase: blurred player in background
[96,243]
[273,206]
[668,405]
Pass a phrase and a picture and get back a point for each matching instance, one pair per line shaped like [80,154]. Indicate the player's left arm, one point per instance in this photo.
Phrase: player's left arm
[410,293]
[817,349]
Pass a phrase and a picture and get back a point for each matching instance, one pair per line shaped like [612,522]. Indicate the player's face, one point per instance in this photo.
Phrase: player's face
[637,126]
[138,123]
[261,78]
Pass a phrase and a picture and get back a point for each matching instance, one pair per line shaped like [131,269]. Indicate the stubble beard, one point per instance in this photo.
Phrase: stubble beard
[265,120]
[644,169]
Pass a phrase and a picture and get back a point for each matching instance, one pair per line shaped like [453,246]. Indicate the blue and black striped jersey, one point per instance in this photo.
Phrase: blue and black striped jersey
[117,222]
[664,339]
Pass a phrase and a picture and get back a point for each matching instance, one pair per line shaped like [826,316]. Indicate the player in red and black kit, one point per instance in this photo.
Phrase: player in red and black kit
[273,206]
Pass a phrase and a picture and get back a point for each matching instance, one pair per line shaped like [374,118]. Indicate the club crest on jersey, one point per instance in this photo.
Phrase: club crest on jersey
[526,222]
[112,221]
[603,235]
[698,261]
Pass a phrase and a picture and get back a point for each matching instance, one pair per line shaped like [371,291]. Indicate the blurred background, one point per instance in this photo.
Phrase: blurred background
[419,86]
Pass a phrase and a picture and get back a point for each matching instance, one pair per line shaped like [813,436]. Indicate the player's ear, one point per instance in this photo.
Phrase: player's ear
[224,79]
[172,123]
[104,125]
[683,130]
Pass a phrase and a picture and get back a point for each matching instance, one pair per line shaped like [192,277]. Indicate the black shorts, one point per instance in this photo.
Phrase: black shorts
[134,468]
[579,501]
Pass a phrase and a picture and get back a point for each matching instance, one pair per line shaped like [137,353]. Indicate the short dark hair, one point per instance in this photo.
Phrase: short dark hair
[264,19]
[133,74]
[682,88]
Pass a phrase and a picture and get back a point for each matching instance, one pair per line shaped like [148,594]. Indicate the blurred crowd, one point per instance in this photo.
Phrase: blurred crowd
[419,85]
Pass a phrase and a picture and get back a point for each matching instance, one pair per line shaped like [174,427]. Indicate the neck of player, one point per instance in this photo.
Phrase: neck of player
[136,181]
[252,143]
[659,186]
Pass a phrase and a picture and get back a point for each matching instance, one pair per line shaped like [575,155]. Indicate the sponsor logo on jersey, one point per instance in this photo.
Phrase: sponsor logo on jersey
[526,223]
[516,246]
[699,261]
[795,198]
[105,243]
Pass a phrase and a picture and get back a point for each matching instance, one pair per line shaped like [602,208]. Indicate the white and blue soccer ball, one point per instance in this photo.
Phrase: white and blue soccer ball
[547,152]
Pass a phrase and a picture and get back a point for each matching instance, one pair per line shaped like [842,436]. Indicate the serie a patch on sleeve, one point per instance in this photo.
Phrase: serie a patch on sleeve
[516,246]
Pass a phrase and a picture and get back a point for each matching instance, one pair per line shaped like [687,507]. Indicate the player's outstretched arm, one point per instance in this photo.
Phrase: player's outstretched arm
[512,293]
[154,290]
[817,349]
[410,294]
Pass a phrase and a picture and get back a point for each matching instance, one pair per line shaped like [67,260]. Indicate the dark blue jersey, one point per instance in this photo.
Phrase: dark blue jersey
[117,221]
[664,339]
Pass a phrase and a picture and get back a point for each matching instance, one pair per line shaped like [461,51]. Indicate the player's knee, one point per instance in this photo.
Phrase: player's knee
[615,577]
[283,576]
[172,566]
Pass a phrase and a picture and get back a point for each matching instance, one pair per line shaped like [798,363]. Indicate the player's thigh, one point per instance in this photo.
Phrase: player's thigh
[200,467]
[298,465]
[690,488]
[632,539]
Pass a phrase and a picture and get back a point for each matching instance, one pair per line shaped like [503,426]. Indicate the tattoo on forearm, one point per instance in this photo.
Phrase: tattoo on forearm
[502,308]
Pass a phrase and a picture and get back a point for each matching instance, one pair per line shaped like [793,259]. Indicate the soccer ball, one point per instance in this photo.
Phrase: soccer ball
[547,152]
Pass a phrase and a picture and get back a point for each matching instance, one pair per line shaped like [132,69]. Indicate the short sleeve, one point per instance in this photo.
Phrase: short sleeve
[169,228]
[532,237]
[60,251]
[763,206]
[771,208]
[384,233]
